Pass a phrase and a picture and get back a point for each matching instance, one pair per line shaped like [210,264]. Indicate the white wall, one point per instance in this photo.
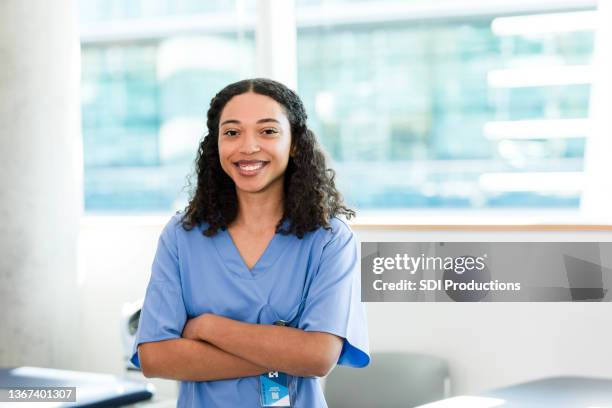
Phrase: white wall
[487,345]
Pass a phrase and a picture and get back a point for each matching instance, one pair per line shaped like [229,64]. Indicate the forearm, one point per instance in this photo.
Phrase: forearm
[192,360]
[285,349]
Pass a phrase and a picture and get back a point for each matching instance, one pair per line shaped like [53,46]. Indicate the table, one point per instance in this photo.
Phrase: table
[92,389]
[554,392]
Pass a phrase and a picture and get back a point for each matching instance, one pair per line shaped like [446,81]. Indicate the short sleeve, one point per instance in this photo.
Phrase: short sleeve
[333,303]
[163,313]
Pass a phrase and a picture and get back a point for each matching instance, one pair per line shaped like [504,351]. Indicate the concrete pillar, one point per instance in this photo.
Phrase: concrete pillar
[40,182]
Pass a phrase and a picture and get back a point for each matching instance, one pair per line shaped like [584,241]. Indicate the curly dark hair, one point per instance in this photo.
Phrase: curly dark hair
[310,195]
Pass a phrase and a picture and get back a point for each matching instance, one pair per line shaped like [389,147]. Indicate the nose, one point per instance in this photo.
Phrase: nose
[250,144]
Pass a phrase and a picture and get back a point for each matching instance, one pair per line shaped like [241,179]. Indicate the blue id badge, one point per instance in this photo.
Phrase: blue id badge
[274,386]
[274,389]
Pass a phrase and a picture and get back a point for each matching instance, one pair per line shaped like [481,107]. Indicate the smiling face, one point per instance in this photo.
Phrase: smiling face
[254,143]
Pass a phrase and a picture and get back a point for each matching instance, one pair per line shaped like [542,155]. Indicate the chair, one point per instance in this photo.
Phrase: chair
[391,380]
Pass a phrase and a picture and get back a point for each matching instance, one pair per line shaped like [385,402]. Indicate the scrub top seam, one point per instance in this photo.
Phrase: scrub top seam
[260,268]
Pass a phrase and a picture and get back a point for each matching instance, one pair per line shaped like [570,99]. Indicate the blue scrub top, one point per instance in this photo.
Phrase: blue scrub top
[194,274]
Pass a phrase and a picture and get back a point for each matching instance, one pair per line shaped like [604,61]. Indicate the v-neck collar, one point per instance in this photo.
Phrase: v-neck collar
[232,259]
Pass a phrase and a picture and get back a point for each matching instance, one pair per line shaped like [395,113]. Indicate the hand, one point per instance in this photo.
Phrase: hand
[194,327]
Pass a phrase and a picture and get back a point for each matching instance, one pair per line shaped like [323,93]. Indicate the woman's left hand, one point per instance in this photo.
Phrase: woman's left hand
[193,327]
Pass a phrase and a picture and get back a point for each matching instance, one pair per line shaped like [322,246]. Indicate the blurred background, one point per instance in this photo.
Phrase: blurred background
[446,120]
[420,104]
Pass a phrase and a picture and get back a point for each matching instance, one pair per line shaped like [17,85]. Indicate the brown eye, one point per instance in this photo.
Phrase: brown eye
[270,131]
[230,133]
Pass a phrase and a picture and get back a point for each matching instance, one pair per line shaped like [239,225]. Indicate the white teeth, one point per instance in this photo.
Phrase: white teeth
[251,167]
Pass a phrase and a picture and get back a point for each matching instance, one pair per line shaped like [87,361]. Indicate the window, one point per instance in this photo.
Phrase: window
[419,105]
[145,88]
[464,112]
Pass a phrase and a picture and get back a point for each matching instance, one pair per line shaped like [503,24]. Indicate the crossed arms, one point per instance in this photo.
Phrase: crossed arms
[216,348]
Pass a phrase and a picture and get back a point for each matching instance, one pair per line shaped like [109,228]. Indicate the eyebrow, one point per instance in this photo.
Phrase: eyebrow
[236,121]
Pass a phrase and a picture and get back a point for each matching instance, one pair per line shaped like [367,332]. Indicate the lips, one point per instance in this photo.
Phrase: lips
[250,167]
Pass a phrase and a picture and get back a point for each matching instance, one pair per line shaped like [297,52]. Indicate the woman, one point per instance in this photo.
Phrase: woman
[255,291]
